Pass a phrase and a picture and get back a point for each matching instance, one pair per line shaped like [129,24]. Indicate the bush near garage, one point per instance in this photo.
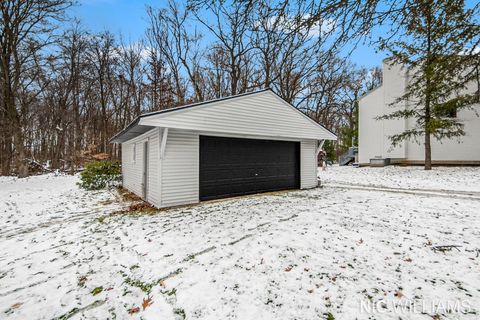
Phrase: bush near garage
[100,175]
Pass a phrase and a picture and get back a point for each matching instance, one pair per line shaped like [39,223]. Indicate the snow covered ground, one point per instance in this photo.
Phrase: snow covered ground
[466,179]
[339,250]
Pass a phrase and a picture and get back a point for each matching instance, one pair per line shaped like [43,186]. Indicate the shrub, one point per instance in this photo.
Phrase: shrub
[100,174]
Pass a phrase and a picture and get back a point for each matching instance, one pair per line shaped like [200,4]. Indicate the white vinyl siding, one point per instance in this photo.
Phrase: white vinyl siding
[308,164]
[374,135]
[134,155]
[154,179]
[261,114]
[180,169]
[369,129]
[132,171]
[174,180]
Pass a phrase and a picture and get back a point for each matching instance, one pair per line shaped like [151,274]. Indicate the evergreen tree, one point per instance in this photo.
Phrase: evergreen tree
[436,45]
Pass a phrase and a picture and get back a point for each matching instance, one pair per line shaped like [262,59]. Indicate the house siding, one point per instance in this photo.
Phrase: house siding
[369,130]
[174,180]
[374,134]
[180,169]
[394,83]
[308,164]
[466,148]
[132,171]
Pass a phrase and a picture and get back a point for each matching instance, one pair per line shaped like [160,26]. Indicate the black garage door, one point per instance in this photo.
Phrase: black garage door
[231,166]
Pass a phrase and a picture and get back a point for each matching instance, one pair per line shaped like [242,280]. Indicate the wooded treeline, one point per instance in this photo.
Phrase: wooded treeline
[66,90]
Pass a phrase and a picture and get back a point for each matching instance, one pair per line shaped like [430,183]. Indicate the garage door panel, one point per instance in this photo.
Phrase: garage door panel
[244,172]
[231,166]
[211,191]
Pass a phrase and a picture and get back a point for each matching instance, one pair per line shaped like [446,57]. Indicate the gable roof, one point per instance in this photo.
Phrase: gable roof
[219,115]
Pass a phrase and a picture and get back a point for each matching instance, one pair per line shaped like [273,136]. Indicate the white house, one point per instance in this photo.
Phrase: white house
[243,144]
[373,142]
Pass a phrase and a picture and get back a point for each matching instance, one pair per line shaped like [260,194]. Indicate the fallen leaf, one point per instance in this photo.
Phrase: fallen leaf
[398,294]
[310,291]
[147,302]
[361,241]
[161,283]
[82,280]
[133,310]
[408,260]
[16,305]
[289,268]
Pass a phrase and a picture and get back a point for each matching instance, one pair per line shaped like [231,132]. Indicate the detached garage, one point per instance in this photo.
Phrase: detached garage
[249,143]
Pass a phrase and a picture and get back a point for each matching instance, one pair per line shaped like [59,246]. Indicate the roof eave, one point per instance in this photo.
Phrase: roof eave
[134,129]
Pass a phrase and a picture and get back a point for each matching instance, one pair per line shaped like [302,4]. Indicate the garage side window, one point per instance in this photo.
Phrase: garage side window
[134,152]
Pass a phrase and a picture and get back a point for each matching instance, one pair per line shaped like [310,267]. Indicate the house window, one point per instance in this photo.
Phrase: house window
[134,152]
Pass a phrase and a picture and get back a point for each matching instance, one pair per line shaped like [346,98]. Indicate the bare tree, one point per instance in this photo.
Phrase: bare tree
[168,32]
[103,56]
[230,27]
[25,29]
[160,91]
[64,97]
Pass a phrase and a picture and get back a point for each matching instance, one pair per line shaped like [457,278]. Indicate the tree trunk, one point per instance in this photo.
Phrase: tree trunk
[20,153]
[428,152]
[428,147]
[428,92]
[5,146]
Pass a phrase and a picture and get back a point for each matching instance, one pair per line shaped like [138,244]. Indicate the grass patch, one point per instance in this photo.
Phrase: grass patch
[96,291]
[144,286]
[170,292]
[180,312]
[330,316]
